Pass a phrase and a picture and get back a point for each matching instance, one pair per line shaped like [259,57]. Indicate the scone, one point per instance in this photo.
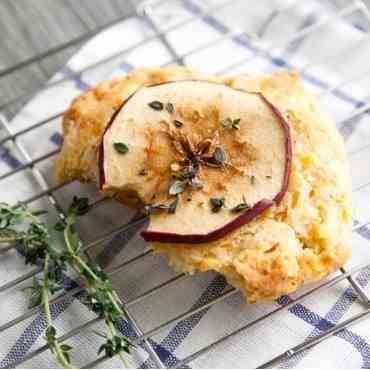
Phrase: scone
[242,175]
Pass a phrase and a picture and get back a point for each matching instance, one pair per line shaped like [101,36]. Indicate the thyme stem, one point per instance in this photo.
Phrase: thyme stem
[53,343]
[113,332]
[84,270]
[79,261]
[32,239]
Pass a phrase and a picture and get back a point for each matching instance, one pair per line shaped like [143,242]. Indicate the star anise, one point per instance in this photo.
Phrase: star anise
[207,152]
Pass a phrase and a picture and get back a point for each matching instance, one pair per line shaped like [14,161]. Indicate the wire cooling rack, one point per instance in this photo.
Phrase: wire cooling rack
[355,11]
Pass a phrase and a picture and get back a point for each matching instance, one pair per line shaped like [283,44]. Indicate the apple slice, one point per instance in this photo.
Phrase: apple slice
[202,157]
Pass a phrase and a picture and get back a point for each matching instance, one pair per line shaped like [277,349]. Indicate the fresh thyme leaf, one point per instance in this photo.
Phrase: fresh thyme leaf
[60,226]
[121,148]
[100,334]
[178,123]
[177,187]
[59,350]
[156,105]
[236,124]
[268,177]
[36,293]
[241,207]
[253,180]
[103,348]
[50,333]
[65,347]
[219,155]
[79,206]
[114,346]
[153,208]
[161,206]
[11,215]
[35,300]
[170,108]
[231,123]
[217,204]
[150,209]
[33,242]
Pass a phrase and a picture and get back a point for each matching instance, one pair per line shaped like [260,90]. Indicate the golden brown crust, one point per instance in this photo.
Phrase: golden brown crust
[86,119]
[302,240]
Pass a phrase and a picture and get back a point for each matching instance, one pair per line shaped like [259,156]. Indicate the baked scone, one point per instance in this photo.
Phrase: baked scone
[300,238]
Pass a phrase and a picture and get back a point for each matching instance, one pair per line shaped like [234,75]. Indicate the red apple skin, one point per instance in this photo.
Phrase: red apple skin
[245,217]
[288,148]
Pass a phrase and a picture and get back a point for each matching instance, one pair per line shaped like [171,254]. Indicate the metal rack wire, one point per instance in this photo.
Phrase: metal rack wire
[147,11]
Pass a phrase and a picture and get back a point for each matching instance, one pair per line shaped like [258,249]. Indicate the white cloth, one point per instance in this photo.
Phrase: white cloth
[272,336]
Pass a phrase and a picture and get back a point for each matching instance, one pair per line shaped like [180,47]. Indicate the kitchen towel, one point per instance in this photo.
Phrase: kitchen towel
[329,55]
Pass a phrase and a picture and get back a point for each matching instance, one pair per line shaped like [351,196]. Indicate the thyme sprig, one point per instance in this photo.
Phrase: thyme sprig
[32,237]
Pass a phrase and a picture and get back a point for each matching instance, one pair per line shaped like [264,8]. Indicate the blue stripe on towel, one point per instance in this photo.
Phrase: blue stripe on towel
[296,44]
[334,315]
[79,82]
[9,158]
[126,67]
[278,61]
[299,310]
[364,231]
[31,334]
[36,328]
[184,327]
[349,126]
[56,138]
[163,354]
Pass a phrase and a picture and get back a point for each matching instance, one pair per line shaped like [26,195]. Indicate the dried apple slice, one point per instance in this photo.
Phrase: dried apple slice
[203,157]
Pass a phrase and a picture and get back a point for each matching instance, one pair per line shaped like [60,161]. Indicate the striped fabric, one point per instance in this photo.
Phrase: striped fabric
[261,342]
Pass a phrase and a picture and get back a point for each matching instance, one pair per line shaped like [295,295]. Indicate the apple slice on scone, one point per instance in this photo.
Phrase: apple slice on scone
[202,158]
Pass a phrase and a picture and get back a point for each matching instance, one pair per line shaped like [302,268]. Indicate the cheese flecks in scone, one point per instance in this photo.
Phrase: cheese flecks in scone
[302,239]
[218,172]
